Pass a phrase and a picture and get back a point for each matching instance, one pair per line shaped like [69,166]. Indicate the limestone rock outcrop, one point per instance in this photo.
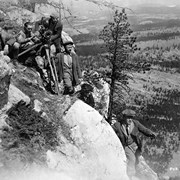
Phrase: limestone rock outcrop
[5,75]
[15,95]
[93,151]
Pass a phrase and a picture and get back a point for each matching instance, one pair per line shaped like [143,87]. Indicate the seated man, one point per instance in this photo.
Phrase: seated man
[27,39]
[21,42]
[68,68]
[6,34]
[128,131]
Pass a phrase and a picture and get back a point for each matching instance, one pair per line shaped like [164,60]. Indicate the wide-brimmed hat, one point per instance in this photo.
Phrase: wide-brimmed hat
[67,43]
[128,113]
[54,15]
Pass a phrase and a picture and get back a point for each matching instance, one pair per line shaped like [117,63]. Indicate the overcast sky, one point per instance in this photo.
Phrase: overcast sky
[138,2]
[126,2]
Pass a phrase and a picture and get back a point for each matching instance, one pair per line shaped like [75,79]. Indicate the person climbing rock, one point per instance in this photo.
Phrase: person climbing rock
[128,130]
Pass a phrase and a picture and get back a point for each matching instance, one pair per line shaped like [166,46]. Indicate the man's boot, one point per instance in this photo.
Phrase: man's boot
[15,62]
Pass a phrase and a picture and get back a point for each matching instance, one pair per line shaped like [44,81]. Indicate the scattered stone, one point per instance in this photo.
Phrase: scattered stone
[46,99]
[37,105]
[15,95]
[5,76]
[3,123]
[6,59]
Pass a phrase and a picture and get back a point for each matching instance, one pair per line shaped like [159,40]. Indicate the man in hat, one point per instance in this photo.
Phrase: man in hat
[128,131]
[53,24]
[68,68]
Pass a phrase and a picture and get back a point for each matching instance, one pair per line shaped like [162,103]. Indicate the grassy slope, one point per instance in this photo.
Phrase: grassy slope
[18,151]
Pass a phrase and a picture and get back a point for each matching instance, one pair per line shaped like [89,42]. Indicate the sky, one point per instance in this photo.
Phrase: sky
[124,2]
[139,2]
[84,4]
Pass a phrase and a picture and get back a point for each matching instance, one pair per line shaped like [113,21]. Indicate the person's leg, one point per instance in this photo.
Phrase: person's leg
[30,60]
[68,87]
[15,50]
[41,67]
[6,50]
[131,161]
[57,44]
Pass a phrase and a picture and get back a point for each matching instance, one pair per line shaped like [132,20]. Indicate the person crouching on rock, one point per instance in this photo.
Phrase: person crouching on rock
[68,68]
[128,131]
[86,95]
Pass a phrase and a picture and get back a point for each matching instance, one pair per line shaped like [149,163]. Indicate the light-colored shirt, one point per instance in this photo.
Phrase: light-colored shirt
[127,130]
[68,60]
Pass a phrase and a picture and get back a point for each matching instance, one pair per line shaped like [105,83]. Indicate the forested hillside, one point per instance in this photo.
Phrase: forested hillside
[152,91]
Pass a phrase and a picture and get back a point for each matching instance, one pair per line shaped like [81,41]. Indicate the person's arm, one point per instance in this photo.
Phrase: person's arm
[144,130]
[11,41]
[79,73]
[21,38]
[114,128]
[59,66]
[58,29]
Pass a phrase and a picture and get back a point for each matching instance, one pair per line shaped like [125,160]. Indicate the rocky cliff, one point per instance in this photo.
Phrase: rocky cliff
[45,136]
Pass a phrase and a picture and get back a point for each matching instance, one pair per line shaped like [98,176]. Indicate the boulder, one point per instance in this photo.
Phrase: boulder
[15,95]
[92,151]
[5,75]
[21,15]
[37,105]
[4,57]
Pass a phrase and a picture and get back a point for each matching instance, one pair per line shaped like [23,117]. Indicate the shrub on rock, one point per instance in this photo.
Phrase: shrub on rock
[28,132]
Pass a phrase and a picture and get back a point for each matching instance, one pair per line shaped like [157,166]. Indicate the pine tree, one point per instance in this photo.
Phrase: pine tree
[119,42]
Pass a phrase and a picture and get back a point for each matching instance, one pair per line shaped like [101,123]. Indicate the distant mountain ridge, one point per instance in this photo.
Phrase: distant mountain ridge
[150,9]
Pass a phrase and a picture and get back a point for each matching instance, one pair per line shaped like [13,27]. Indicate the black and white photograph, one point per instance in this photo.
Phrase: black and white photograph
[89,90]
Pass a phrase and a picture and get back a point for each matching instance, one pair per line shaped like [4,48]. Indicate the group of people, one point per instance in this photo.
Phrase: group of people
[29,47]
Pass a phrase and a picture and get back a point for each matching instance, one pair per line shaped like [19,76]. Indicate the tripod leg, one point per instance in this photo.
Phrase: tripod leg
[55,73]
[51,69]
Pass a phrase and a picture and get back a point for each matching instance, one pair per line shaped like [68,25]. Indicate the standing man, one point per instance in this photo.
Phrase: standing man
[128,131]
[54,25]
[68,68]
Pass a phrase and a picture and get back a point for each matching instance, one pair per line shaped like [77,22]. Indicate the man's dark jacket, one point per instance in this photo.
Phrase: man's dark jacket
[76,70]
[135,134]
[56,28]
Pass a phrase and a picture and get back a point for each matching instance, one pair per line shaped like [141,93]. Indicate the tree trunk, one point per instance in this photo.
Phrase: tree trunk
[111,99]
